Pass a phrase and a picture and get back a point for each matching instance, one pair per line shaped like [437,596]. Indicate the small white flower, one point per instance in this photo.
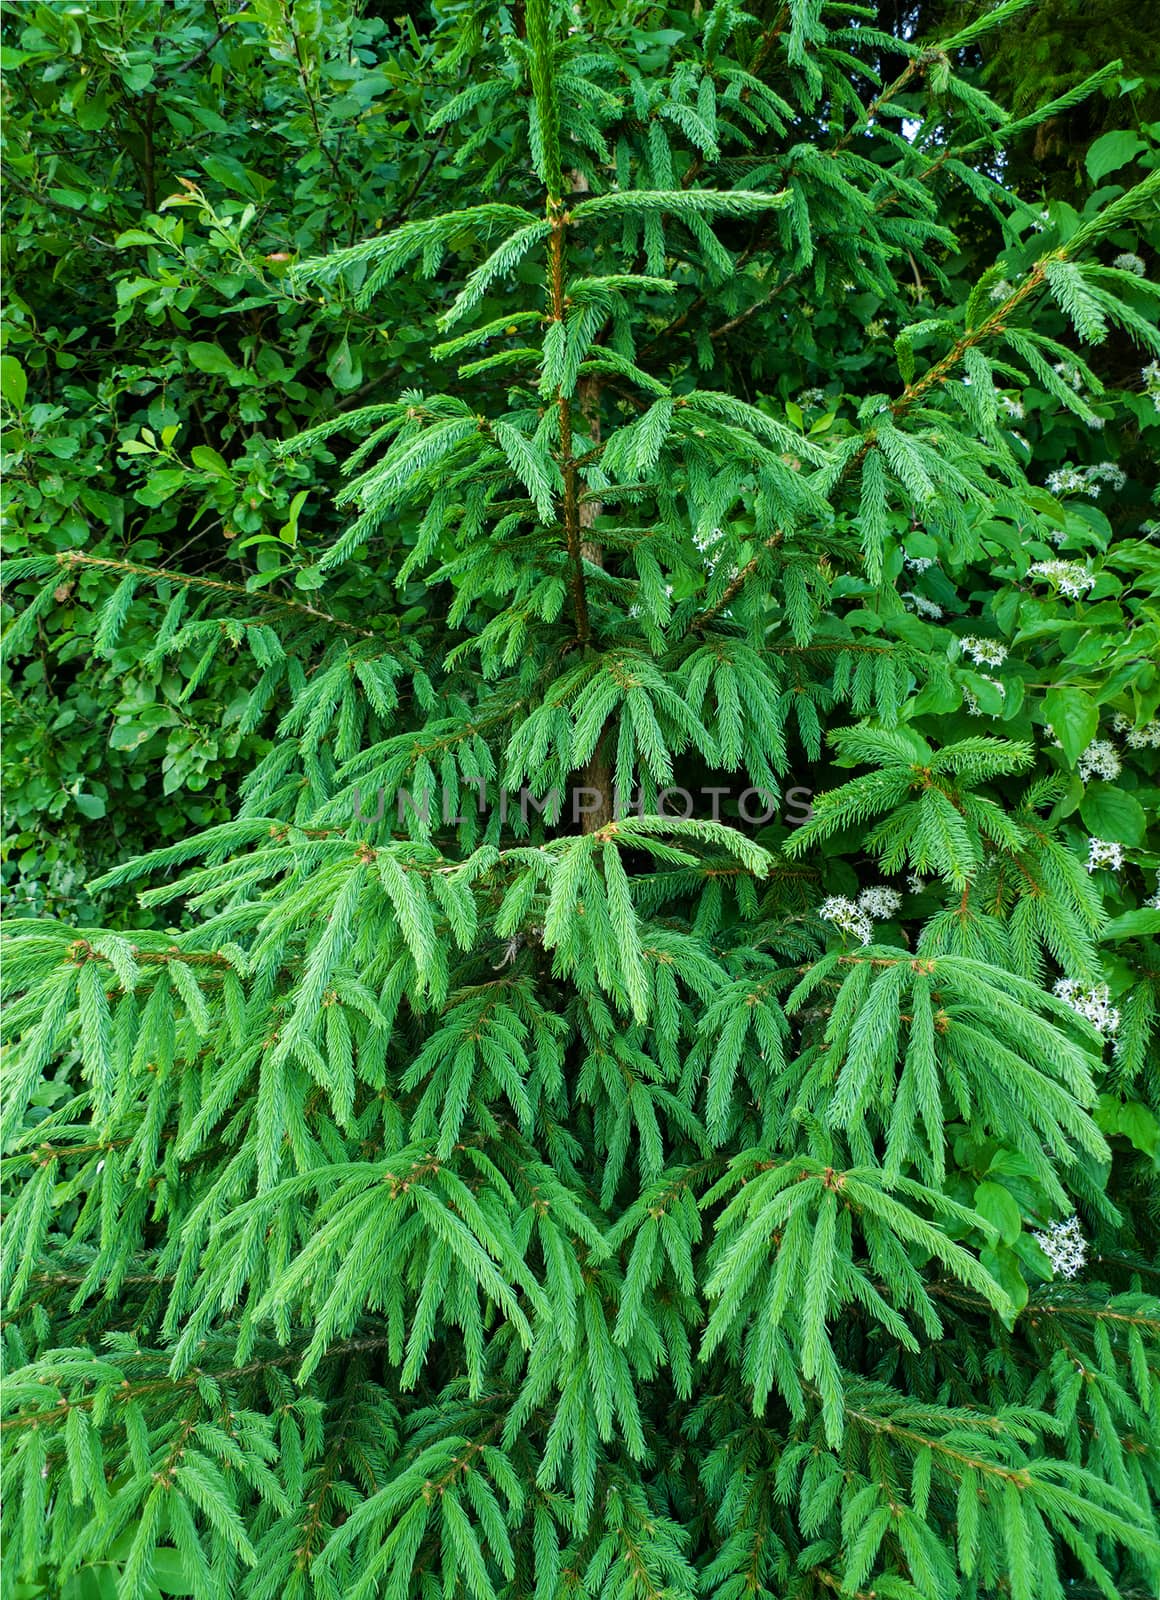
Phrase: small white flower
[1092,1003]
[1013,408]
[999,291]
[1066,480]
[1104,853]
[1069,374]
[1069,577]
[1129,261]
[918,564]
[1105,472]
[846,917]
[983,652]
[1100,760]
[1146,737]
[923,606]
[707,544]
[1064,1246]
[1154,902]
[915,884]
[1151,377]
[811,397]
[879,902]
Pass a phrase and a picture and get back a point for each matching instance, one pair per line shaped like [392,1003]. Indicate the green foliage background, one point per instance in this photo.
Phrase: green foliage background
[714,1232]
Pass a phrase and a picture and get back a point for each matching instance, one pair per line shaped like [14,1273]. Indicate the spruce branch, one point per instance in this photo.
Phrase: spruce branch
[73,559]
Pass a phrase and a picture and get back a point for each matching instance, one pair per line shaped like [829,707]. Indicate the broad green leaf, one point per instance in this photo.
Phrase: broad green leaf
[207,458]
[210,358]
[994,1202]
[1133,924]
[1004,1266]
[1073,717]
[1114,814]
[13,382]
[1110,152]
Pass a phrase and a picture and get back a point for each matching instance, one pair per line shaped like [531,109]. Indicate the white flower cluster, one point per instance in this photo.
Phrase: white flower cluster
[1013,408]
[1064,1246]
[983,652]
[1151,377]
[915,884]
[1100,760]
[1066,480]
[707,544]
[1070,577]
[879,902]
[1129,261]
[1092,1003]
[999,291]
[1154,903]
[1104,853]
[873,905]
[1069,374]
[923,606]
[1086,480]
[811,397]
[918,564]
[846,917]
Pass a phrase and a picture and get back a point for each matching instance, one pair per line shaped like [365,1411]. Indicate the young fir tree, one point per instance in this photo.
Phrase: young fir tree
[560,1197]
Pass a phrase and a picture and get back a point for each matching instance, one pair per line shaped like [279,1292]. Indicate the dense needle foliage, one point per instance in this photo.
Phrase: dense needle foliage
[630,1070]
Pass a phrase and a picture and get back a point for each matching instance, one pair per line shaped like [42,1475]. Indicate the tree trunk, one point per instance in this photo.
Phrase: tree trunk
[597,774]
